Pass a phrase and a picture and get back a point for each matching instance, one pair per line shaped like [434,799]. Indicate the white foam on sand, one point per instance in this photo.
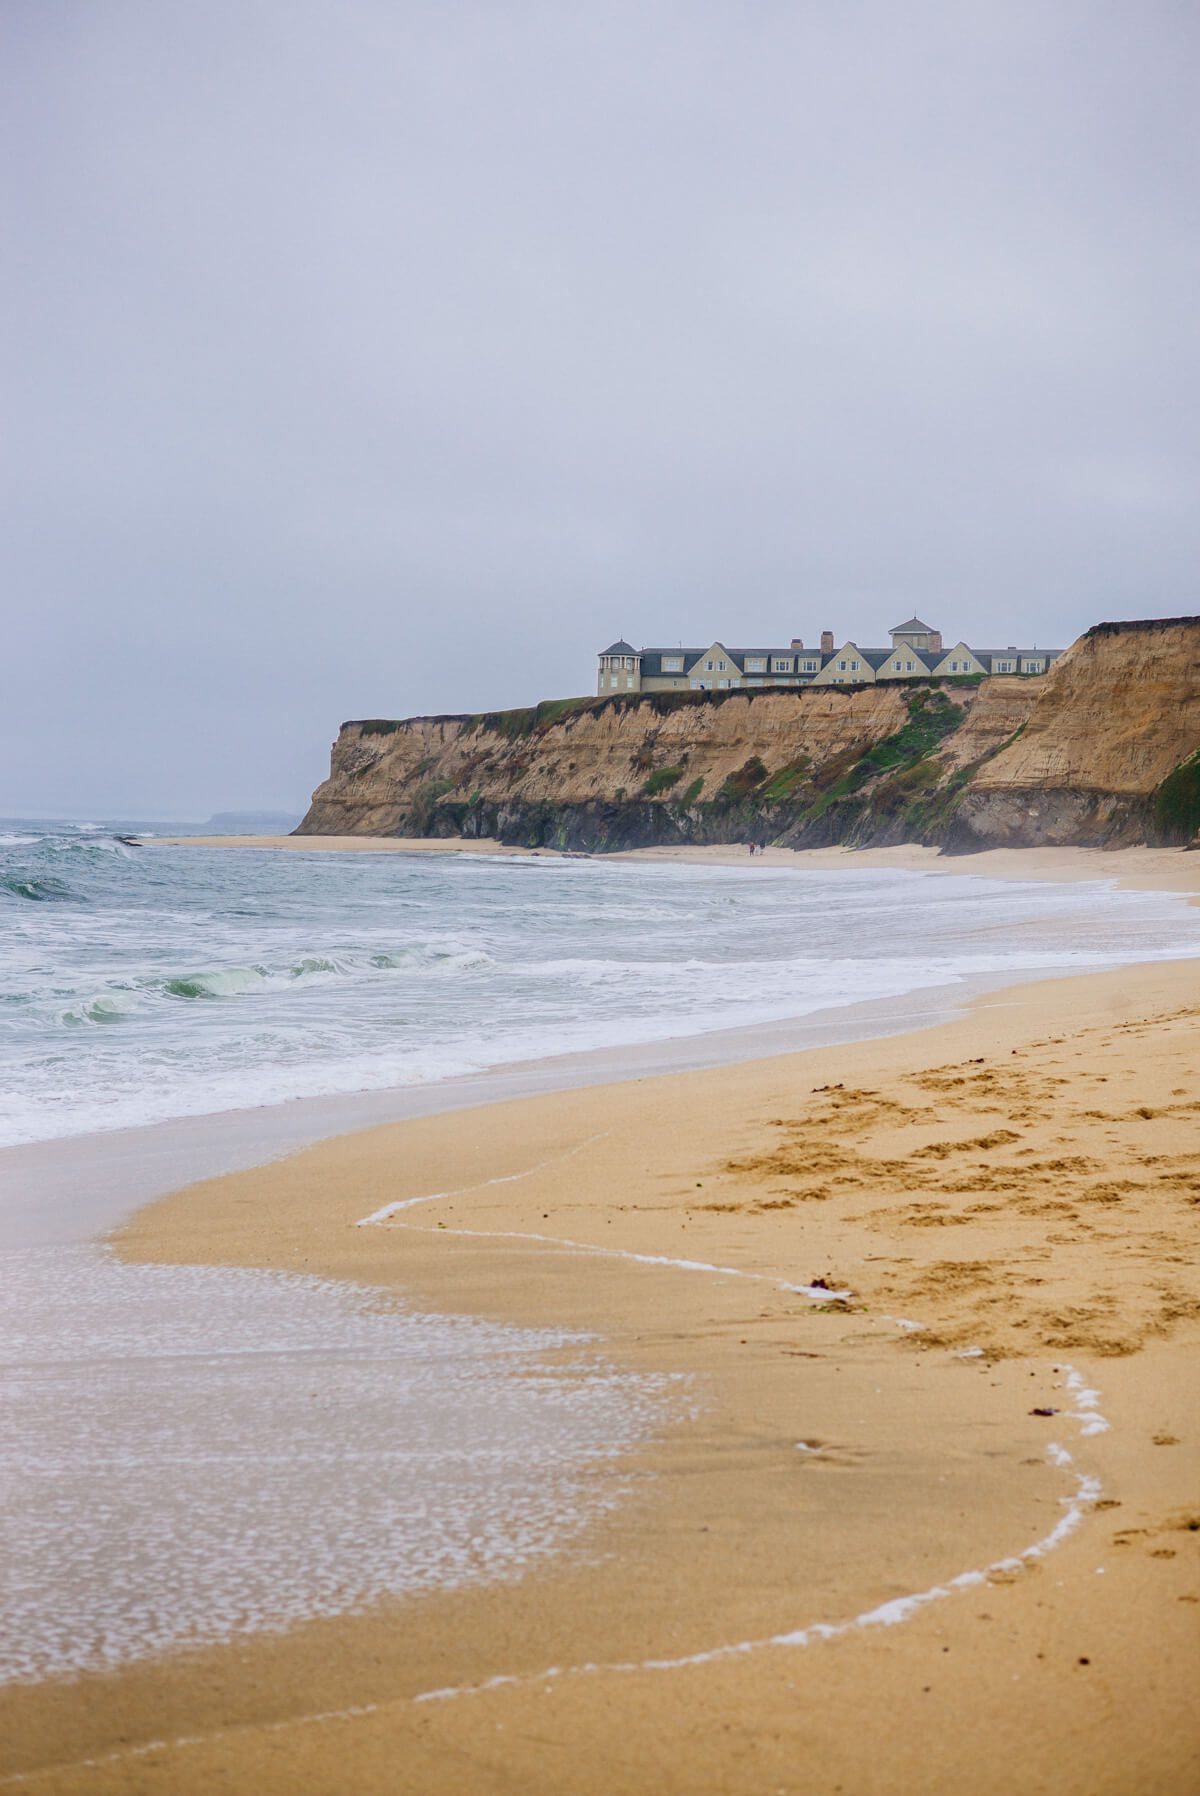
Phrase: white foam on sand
[819,1293]
[891,1613]
[1087,1405]
[509,1178]
[1087,1488]
[194,1453]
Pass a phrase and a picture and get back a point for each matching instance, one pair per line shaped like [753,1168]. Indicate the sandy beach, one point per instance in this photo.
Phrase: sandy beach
[1133,869]
[864,1558]
[514,1281]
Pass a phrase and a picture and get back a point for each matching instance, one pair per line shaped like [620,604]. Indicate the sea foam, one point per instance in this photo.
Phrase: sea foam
[141,985]
[192,1453]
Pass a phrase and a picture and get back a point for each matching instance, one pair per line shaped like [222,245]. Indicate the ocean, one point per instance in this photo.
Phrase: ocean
[141,984]
[195,1454]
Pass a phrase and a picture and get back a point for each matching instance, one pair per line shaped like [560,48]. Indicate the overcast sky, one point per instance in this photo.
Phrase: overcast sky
[370,357]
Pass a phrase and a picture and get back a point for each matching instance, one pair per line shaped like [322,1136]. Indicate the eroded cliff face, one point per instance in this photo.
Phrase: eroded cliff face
[1115,718]
[1077,755]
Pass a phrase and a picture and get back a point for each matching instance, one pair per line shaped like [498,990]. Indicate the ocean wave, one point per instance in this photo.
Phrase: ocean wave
[163,984]
[38,889]
[234,982]
[85,849]
[108,1007]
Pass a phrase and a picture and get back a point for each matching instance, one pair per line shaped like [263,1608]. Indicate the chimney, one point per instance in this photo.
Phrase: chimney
[827,642]
[797,642]
[935,642]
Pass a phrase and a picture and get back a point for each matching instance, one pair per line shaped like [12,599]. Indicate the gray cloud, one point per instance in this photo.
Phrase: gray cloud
[376,357]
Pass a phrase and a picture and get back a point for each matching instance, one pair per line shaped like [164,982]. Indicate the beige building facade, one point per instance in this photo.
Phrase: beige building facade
[917,653]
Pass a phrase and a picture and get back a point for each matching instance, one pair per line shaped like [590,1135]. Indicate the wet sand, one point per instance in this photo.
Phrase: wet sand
[1021,1185]
[1132,869]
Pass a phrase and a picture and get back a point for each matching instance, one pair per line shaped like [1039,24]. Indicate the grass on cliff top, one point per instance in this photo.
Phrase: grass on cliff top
[1125,627]
[526,720]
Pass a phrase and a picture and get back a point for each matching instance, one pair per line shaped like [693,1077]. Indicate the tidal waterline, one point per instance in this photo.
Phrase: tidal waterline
[169,1376]
[137,986]
[196,1453]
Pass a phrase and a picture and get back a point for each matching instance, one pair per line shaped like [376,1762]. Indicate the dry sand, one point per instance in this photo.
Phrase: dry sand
[1133,869]
[1025,1181]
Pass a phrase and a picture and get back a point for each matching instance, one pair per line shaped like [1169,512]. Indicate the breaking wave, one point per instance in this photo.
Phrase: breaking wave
[43,890]
[142,984]
[236,982]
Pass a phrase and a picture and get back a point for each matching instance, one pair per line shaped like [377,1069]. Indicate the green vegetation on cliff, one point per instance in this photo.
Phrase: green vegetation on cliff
[1102,750]
[1177,803]
[661,781]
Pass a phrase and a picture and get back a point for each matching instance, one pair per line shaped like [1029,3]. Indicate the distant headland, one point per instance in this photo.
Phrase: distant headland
[1100,747]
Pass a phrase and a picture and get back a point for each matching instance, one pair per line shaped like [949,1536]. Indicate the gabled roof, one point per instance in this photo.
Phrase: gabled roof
[619,648]
[929,657]
[914,623]
[652,660]
[719,648]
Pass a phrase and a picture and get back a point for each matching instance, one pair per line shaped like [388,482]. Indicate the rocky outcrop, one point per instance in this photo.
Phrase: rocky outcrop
[1085,753]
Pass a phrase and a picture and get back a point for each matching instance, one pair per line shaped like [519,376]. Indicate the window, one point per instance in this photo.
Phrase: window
[1033,667]
[720,666]
[781,664]
[1003,666]
[910,667]
[724,682]
[672,663]
[810,667]
[755,664]
[842,666]
[629,664]
[701,685]
[854,667]
[708,666]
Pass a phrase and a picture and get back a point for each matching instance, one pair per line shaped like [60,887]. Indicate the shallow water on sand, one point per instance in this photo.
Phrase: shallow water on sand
[195,1453]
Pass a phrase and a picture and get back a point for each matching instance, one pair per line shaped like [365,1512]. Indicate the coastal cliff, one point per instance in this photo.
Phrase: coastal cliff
[1102,750]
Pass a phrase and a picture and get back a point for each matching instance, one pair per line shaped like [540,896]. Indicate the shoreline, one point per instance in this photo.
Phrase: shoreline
[128,1167]
[1132,869]
[630,1197]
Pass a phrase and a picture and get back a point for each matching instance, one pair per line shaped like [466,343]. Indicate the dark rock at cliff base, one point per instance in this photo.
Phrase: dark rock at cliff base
[1101,751]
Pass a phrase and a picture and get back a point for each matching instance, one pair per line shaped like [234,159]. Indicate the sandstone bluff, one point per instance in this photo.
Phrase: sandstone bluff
[1104,750]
